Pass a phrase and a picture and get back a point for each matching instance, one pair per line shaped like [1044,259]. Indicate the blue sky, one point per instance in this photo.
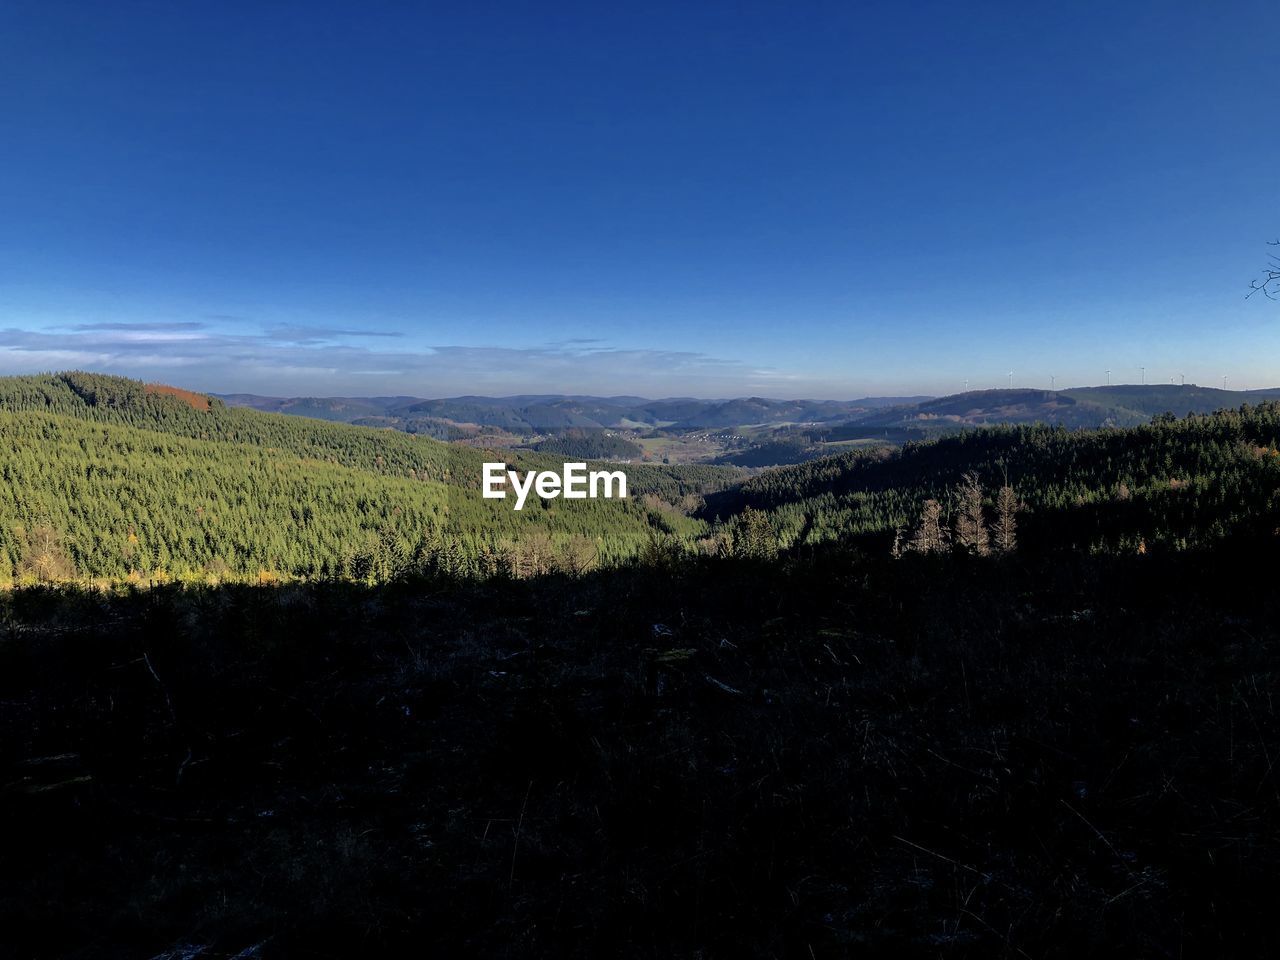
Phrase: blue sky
[715,199]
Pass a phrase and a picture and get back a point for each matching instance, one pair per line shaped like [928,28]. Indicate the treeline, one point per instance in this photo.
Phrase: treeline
[773,453]
[590,445]
[1173,483]
[425,426]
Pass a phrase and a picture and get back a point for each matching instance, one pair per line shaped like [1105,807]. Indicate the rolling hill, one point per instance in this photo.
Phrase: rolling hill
[1126,405]
[132,479]
[1172,482]
[138,479]
[1151,399]
[541,413]
[766,432]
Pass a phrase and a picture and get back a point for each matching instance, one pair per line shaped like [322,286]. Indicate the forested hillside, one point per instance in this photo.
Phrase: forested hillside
[1149,400]
[106,477]
[1119,405]
[552,413]
[1122,405]
[590,445]
[1174,482]
[111,478]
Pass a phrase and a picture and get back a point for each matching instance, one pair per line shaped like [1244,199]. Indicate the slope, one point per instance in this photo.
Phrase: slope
[130,479]
[1173,482]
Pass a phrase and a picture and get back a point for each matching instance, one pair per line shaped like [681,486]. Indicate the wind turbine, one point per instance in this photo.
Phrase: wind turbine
[1224,383]
[1053,382]
[1108,376]
[1144,375]
[1010,379]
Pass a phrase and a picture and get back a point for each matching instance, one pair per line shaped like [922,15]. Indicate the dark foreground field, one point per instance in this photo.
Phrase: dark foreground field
[835,757]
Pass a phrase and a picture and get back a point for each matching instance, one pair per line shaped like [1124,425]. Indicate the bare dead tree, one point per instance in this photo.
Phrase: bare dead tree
[532,555]
[1007,507]
[43,555]
[898,545]
[577,555]
[1269,283]
[971,525]
[929,537]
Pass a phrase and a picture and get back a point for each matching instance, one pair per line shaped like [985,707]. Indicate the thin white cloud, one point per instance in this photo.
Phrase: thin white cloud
[141,327]
[319,360]
[291,333]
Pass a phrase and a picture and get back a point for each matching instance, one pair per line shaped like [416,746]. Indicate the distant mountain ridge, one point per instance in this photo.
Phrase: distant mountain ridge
[1120,405]
[532,412]
[1123,405]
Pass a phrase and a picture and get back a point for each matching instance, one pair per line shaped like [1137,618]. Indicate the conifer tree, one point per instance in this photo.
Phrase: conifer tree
[755,537]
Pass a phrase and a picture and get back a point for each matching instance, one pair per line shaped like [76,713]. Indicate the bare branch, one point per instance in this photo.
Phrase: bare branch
[1269,283]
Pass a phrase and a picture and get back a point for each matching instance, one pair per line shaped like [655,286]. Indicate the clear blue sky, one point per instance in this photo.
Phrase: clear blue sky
[789,199]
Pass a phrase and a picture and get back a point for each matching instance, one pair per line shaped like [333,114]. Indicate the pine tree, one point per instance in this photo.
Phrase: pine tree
[755,537]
